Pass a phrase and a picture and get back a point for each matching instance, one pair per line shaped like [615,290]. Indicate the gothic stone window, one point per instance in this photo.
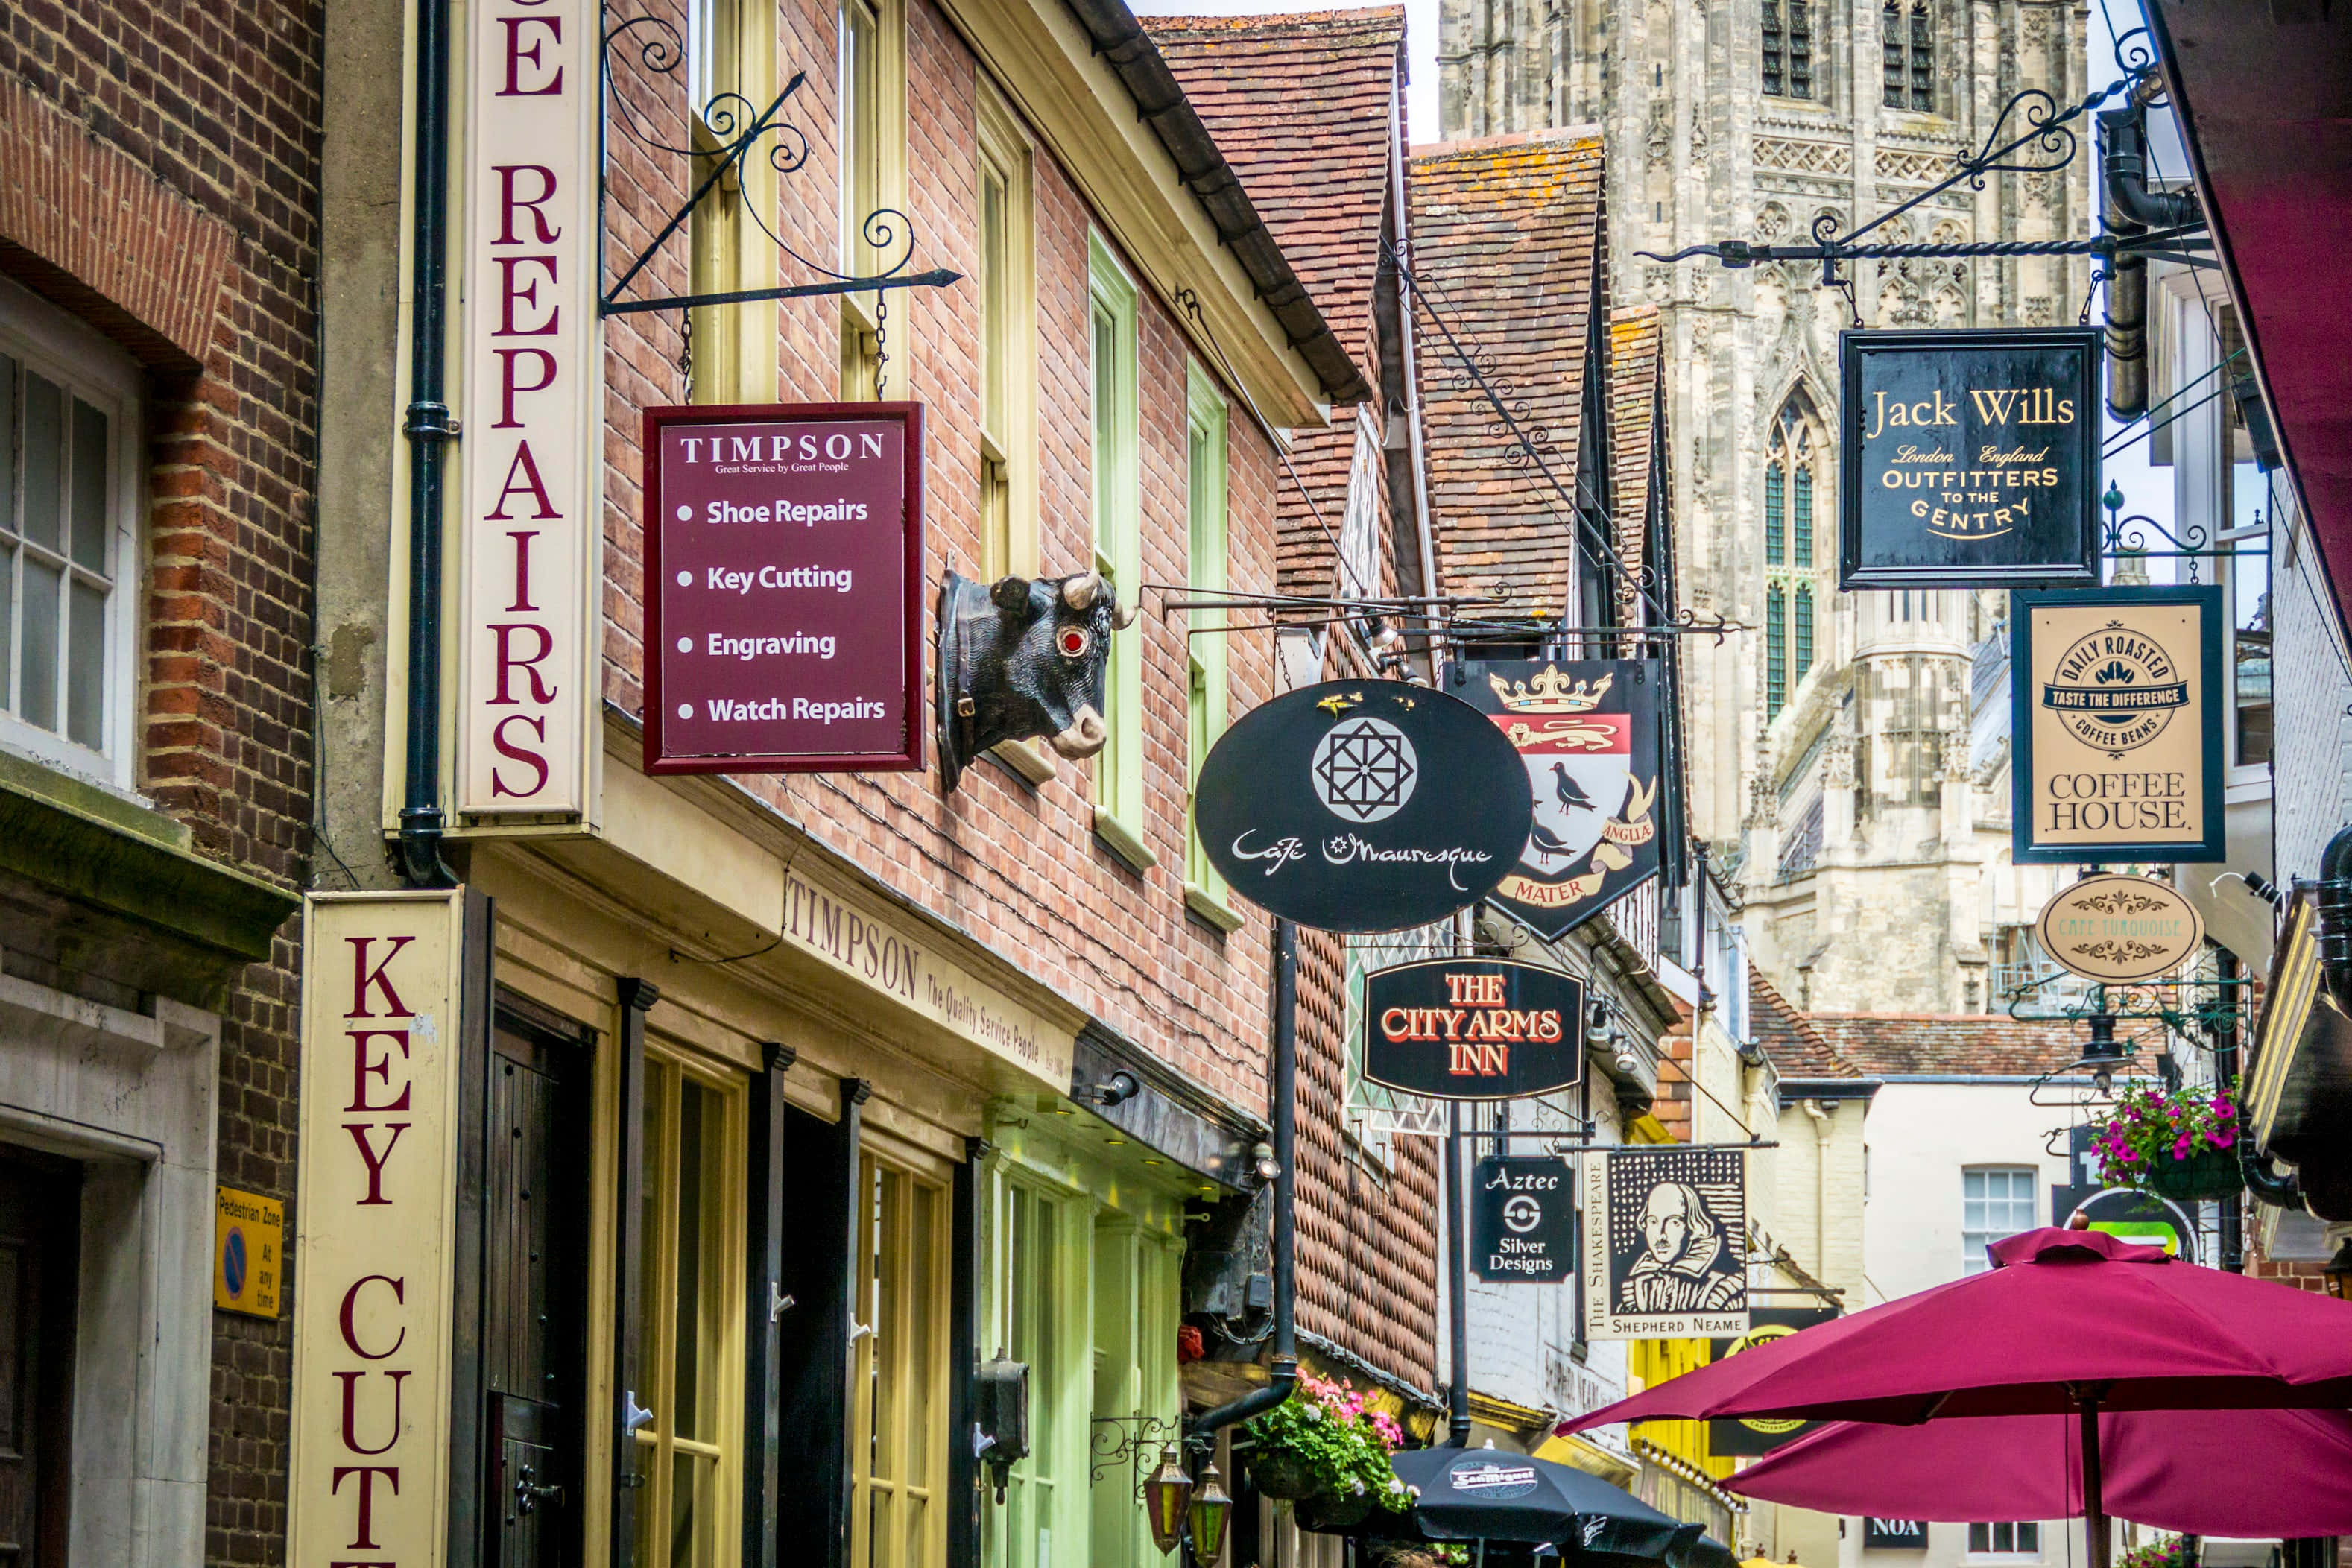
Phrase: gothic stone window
[1907,36]
[1792,468]
[1789,48]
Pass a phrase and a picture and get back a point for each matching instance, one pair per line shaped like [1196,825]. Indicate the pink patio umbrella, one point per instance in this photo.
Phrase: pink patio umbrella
[2066,1321]
[2216,1472]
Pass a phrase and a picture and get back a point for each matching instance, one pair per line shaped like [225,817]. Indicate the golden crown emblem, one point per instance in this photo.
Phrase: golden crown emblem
[1551,692]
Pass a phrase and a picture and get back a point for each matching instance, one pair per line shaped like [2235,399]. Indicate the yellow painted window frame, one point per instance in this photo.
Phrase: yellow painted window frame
[870,89]
[898,1431]
[1117,427]
[719,1530]
[1206,502]
[1007,287]
[733,346]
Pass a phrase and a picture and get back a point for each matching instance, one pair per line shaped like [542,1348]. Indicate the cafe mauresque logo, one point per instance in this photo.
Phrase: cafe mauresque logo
[1586,732]
[1362,805]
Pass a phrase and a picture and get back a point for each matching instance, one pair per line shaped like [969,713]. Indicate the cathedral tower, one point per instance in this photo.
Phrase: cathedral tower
[1845,755]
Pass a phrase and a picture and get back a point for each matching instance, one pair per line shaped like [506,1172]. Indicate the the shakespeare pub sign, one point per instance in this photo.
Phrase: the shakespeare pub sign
[1971,459]
[1586,732]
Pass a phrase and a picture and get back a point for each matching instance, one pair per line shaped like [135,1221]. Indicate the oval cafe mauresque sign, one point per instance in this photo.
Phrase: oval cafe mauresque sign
[2119,931]
[1362,805]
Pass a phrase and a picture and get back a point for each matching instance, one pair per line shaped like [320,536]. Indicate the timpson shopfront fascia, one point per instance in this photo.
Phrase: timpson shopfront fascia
[743,1153]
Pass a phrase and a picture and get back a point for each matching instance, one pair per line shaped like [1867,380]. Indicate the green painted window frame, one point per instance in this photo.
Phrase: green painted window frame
[1038,1307]
[1207,671]
[1113,300]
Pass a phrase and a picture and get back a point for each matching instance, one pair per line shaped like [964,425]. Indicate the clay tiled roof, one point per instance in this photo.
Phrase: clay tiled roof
[1634,417]
[1303,106]
[1506,234]
[1991,1044]
[1789,1038]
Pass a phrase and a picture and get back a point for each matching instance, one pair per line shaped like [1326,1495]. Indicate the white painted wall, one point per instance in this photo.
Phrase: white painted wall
[1921,1138]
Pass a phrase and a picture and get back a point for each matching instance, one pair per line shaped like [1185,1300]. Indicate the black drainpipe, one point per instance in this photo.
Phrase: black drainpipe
[2131,208]
[427,428]
[1285,1368]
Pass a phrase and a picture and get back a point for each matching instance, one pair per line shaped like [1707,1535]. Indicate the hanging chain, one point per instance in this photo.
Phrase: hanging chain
[2098,275]
[881,339]
[686,352]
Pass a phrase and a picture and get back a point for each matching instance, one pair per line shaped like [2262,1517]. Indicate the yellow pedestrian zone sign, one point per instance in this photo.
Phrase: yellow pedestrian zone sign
[248,1252]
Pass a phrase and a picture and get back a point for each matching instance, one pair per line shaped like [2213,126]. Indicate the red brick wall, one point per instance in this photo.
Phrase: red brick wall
[173,207]
[1018,867]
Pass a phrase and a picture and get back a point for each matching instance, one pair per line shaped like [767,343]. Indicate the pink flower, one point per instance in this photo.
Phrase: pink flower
[2223,1140]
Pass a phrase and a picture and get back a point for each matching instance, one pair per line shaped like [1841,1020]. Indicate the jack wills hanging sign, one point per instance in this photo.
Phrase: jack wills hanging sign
[1362,805]
[1459,1028]
[784,563]
[1586,734]
[2116,706]
[1971,459]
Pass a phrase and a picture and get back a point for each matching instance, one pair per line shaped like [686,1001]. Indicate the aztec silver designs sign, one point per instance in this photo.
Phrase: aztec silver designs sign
[1664,1243]
[1586,732]
[2119,931]
[2116,702]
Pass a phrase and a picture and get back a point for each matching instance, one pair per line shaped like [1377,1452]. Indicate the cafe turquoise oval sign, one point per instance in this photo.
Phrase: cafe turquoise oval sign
[2120,930]
[1363,806]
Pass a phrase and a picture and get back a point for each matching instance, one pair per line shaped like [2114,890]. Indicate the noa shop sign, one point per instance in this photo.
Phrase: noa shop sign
[528,472]
[1970,458]
[376,1193]
[1474,1029]
[2116,701]
[783,568]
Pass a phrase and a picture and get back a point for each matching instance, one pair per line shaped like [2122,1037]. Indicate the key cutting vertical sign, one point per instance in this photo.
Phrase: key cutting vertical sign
[373,1259]
[784,581]
[530,458]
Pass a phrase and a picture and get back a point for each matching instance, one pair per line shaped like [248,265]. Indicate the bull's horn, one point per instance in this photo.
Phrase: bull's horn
[1078,593]
[1123,616]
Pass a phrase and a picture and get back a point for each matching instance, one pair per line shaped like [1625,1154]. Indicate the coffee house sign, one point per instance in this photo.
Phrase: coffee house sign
[2115,706]
[1971,459]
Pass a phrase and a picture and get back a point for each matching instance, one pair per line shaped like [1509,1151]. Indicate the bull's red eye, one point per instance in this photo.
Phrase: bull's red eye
[1074,641]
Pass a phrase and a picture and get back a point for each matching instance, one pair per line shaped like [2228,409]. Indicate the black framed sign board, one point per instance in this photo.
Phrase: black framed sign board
[2116,701]
[1587,734]
[1523,1220]
[1362,805]
[1970,460]
[1895,1535]
[1473,1029]
[1752,1436]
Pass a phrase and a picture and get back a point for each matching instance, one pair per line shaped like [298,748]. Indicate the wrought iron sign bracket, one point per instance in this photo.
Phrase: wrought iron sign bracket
[2046,144]
[724,134]
[1116,1440]
[2127,537]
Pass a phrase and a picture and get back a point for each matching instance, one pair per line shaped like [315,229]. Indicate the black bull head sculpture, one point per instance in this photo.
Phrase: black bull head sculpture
[1021,659]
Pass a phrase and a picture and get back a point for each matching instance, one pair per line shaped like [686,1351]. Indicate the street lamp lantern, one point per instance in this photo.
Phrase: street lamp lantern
[1165,1495]
[2338,1272]
[1212,1512]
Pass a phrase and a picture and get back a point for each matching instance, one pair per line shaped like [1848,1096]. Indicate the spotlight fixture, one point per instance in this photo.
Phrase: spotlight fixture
[1263,1157]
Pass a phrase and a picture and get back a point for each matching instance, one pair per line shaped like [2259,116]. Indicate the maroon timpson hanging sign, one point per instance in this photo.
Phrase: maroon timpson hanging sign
[783,567]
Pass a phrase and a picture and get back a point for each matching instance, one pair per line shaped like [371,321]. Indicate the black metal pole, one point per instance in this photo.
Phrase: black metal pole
[1284,1366]
[1457,1294]
[2097,1539]
[427,428]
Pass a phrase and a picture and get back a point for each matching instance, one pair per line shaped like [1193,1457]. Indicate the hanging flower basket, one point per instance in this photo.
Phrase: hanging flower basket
[2208,1173]
[2179,1144]
[1329,1512]
[1283,1474]
[1321,1445]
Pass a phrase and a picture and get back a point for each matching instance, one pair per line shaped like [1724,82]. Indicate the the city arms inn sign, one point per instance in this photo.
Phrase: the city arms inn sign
[1971,459]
